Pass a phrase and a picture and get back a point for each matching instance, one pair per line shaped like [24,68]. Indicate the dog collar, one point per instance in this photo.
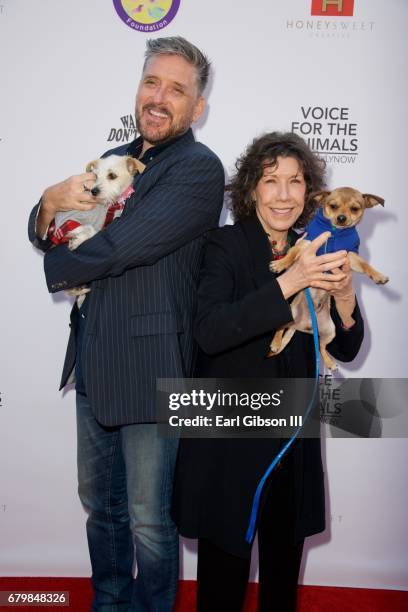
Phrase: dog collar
[125,195]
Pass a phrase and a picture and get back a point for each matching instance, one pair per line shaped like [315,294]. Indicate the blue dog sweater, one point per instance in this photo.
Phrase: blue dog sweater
[345,238]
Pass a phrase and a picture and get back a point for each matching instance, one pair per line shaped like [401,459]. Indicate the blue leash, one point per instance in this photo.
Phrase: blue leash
[250,534]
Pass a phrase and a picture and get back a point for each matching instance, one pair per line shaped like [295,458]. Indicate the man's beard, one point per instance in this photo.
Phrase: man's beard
[156,136]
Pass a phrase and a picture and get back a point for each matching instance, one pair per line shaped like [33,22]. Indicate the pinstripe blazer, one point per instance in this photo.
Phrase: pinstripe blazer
[143,271]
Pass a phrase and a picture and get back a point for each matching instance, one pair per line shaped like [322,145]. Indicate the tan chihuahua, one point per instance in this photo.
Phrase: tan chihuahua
[341,210]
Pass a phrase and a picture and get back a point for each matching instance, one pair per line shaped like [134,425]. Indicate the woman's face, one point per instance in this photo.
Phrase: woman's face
[280,195]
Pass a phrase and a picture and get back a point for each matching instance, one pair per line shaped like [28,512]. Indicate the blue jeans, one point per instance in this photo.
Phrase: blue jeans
[125,484]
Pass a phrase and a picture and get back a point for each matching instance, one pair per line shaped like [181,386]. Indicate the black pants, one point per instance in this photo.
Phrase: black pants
[222,578]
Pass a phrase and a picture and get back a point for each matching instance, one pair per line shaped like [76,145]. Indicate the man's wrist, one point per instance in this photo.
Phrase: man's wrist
[43,220]
[46,208]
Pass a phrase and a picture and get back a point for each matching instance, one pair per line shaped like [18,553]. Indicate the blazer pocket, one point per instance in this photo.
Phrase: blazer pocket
[156,323]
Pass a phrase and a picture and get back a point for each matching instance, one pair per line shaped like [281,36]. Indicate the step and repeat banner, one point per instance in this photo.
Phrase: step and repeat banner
[334,72]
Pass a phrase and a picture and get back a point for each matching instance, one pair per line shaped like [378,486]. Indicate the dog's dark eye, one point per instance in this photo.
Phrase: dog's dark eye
[112,176]
[333,206]
[355,209]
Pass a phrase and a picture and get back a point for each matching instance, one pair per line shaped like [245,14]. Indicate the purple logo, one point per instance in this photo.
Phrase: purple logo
[147,15]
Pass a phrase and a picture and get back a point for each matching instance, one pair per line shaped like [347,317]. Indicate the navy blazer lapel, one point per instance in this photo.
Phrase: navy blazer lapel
[181,142]
[144,182]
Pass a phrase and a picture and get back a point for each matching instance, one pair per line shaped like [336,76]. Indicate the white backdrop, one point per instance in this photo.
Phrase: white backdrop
[69,72]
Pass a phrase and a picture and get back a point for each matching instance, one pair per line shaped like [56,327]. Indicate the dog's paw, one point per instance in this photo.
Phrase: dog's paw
[276,266]
[381,279]
[330,364]
[77,291]
[78,235]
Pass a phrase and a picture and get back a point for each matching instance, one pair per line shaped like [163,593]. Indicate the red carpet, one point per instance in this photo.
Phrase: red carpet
[311,598]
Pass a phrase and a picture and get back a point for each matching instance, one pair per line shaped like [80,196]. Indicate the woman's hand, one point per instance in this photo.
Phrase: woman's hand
[344,295]
[310,270]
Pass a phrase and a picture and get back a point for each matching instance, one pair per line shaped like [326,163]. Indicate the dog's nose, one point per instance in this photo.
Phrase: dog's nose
[95,191]
[340,219]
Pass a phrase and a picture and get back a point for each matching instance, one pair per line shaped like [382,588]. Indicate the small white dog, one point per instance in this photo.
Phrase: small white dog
[113,185]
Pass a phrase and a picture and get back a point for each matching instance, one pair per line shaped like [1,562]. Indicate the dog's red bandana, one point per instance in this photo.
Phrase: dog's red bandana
[61,235]
[115,210]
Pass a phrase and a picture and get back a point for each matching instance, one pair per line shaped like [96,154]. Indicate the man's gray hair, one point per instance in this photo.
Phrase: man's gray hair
[177,45]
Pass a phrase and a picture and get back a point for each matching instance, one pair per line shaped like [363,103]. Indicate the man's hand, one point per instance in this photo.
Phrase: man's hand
[71,194]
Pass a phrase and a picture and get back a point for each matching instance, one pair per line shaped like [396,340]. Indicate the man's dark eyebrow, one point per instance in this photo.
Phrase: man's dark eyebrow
[181,85]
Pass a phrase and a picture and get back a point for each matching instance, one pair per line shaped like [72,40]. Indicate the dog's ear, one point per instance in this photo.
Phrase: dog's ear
[91,166]
[134,166]
[372,200]
[319,196]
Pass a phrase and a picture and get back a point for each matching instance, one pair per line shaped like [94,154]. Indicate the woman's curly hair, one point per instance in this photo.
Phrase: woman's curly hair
[264,151]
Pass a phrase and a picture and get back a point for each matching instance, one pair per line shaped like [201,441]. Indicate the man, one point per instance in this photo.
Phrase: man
[135,326]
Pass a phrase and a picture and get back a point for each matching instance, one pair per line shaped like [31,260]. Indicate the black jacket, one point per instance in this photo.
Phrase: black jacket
[240,304]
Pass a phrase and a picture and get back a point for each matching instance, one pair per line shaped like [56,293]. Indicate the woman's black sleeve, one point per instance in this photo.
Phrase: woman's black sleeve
[223,320]
[347,342]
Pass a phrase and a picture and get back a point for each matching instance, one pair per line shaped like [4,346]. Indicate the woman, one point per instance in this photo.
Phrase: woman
[240,304]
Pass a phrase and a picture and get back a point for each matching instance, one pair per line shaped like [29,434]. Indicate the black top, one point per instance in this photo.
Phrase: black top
[240,304]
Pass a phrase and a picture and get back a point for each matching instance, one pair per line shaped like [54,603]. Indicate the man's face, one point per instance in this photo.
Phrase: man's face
[167,100]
